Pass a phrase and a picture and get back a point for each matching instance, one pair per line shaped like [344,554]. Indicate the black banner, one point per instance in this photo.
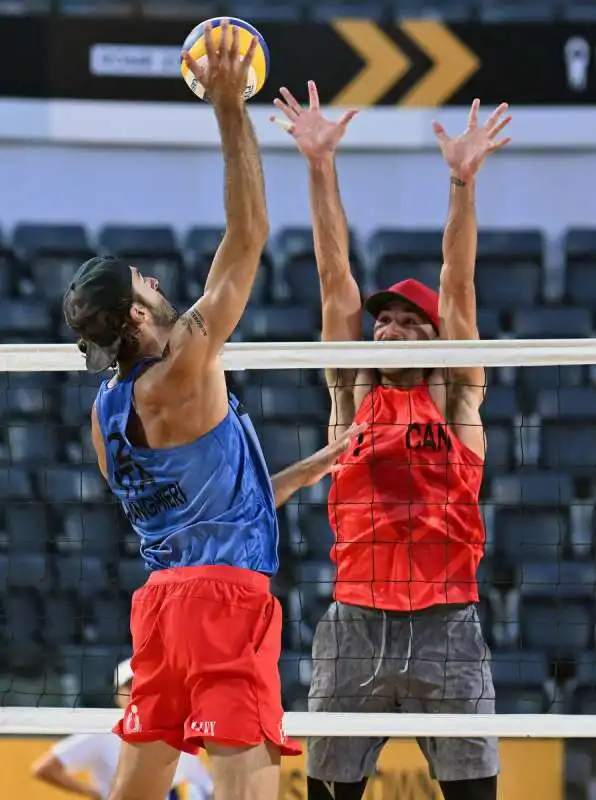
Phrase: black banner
[354,62]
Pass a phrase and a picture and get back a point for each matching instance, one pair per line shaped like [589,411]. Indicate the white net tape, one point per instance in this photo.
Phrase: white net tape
[317,355]
[276,356]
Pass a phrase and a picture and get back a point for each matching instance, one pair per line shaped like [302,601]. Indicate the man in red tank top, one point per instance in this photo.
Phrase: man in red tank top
[403,633]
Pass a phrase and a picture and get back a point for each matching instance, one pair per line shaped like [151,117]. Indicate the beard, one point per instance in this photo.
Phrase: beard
[164,314]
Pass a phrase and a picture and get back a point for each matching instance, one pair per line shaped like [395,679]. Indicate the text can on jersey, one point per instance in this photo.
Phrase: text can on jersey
[195,46]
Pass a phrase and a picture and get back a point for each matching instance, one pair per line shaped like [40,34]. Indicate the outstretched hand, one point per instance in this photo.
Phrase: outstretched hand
[315,136]
[466,153]
[323,462]
[225,73]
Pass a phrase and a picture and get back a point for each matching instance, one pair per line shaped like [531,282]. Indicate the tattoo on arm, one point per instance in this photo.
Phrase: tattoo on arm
[194,319]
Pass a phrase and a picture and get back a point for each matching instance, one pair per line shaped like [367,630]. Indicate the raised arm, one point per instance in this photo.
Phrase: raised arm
[312,469]
[317,139]
[229,283]
[464,155]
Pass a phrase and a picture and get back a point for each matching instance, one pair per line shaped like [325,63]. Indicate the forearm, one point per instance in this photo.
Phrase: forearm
[461,233]
[289,481]
[244,197]
[59,778]
[330,228]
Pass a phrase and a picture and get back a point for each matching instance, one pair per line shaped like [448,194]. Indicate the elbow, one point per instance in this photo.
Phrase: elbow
[456,281]
[41,769]
[251,237]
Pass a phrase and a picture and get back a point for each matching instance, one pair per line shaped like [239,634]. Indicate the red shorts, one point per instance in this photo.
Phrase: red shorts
[206,646]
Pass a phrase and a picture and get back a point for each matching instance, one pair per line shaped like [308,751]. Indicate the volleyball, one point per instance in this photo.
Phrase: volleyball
[195,46]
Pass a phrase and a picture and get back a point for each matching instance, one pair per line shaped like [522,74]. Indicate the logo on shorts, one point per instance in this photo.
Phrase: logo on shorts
[282,733]
[132,722]
[205,727]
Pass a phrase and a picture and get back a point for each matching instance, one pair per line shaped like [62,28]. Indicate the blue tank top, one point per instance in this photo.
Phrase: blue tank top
[209,502]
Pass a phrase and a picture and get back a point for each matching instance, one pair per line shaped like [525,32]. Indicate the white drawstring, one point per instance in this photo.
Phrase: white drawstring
[383,647]
[409,652]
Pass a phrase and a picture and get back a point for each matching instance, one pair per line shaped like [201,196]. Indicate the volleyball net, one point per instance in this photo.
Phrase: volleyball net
[69,562]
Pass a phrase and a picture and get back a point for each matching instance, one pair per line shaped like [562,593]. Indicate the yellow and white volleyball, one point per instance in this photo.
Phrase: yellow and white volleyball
[195,46]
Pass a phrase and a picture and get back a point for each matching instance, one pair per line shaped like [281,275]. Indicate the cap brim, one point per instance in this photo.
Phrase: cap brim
[100,359]
[380,300]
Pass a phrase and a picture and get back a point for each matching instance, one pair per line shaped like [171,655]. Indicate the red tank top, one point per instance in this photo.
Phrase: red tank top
[404,508]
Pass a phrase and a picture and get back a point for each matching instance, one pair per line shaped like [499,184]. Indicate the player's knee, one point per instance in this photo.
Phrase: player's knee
[321,790]
[474,789]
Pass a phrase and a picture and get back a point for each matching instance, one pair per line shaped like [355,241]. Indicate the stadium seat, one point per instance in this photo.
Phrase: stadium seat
[131,574]
[519,669]
[526,535]
[152,250]
[24,321]
[30,443]
[15,484]
[533,379]
[200,246]
[9,270]
[61,620]
[81,574]
[532,488]
[27,528]
[110,621]
[283,445]
[27,394]
[558,579]
[76,402]
[520,701]
[499,449]
[508,286]
[568,447]
[91,529]
[295,668]
[308,404]
[386,273]
[489,323]
[279,324]
[398,246]
[552,323]
[296,378]
[499,245]
[70,485]
[29,571]
[91,667]
[567,627]
[22,617]
[294,248]
[580,266]
[30,240]
[500,405]
[54,253]
[568,404]
[313,522]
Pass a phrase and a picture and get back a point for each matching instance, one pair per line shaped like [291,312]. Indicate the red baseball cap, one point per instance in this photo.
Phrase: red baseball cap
[411,291]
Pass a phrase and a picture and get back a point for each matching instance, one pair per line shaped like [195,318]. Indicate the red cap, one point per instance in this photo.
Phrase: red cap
[411,291]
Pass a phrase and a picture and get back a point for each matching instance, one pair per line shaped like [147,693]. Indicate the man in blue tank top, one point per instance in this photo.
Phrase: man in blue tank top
[187,467]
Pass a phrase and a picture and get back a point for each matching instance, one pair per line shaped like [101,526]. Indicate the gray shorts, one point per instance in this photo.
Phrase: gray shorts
[433,661]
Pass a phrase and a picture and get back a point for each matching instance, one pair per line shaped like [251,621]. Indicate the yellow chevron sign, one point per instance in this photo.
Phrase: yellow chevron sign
[386,64]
